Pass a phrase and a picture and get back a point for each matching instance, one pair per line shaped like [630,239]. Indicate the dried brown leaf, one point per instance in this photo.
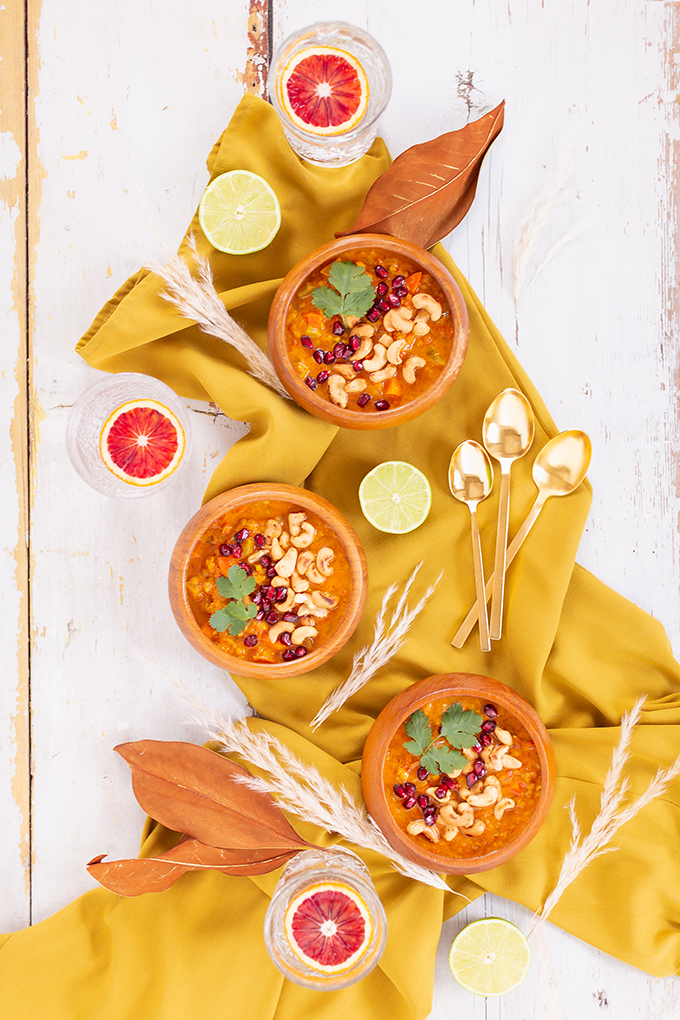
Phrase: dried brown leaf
[430,187]
[154,874]
[193,790]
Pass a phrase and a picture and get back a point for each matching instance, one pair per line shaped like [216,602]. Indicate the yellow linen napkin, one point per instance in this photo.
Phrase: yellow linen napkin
[577,651]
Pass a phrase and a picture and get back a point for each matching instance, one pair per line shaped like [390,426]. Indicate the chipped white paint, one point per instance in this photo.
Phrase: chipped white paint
[127,101]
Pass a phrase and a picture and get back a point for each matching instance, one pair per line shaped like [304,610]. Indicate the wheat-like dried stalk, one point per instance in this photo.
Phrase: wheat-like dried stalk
[533,225]
[388,638]
[610,818]
[197,299]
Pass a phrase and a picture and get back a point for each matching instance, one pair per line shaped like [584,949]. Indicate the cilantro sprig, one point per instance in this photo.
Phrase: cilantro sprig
[442,752]
[351,292]
[235,615]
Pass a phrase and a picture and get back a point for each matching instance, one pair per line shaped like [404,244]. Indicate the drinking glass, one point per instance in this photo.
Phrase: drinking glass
[311,872]
[90,413]
[346,146]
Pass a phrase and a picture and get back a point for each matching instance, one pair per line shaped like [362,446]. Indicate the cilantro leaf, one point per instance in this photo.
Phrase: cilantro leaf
[353,292]
[236,584]
[460,728]
[443,759]
[418,727]
[233,617]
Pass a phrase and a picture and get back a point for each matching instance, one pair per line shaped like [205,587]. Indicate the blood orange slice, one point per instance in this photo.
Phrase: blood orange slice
[142,442]
[324,90]
[328,926]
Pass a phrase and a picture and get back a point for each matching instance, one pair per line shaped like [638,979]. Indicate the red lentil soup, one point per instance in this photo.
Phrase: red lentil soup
[300,573]
[473,811]
[389,356]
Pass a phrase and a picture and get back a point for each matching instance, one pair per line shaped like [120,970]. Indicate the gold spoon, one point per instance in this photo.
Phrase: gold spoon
[559,469]
[470,481]
[507,432]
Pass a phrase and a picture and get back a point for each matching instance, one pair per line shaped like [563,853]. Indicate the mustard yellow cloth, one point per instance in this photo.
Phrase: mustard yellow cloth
[577,651]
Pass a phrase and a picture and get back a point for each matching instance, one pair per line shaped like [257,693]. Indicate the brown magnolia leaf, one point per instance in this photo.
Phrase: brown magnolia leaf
[154,874]
[430,187]
[193,790]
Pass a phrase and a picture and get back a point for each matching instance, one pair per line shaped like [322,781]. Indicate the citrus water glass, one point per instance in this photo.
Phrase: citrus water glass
[91,412]
[325,927]
[367,58]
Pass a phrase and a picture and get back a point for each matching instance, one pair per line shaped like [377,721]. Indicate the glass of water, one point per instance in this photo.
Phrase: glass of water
[330,84]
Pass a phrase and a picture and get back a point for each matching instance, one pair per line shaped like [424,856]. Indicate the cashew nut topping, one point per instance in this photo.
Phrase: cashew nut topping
[298,583]
[256,556]
[286,565]
[385,373]
[497,756]
[379,359]
[336,390]
[304,562]
[279,582]
[294,522]
[486,798]
[319,598]
[415,827]
[306,536]
[324,558]
[363,350]
[288,602]
[394,351]
[511,763]
[432,833]
[477,829]
[355,386]
[503,805]
[469,753]
[284,539]
[427,302]
[398,318]
[352,320]
[504,736]
[365,329]
[421,329]
[301,634]
[272,528]
[276,551]
[346,371]
[278,629]
[450,834]
[314,575]
[409,369]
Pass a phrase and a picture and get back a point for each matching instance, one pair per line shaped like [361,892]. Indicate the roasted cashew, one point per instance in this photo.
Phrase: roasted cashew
[496,758]
[363,351]
[294,522]
[352,320]
[511,763]
[469,753]
[346,371]
[421,329]
[461,818]
[365,329]
[415,827]
[503,805]
[279,582]
[427,302]
[504,736]
[304,562]
[385,373]
[324,558]
[287,604]
[306,536]
[284,539]
[276,552]
[432,833]
[314,575]
[301,634]
[398,318]
[450,834]
[280,628]
[256,556]
[486,798]
[272,528]
[409,369]
[379,359]
[336,390]
[286,565]
[477,829]
[355,386]
[319,598]
[394,352]
[298,583]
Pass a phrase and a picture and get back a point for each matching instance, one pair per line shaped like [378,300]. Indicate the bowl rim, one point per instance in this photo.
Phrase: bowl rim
[399,709]
[278,350]
[242,495]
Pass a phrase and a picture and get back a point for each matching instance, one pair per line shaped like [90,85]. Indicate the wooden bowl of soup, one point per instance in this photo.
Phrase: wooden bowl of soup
[268,580]
[458,772]
[368,331]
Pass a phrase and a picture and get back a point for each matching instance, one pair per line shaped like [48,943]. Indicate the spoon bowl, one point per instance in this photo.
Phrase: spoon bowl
[470,481]
[558,470]
[508,432]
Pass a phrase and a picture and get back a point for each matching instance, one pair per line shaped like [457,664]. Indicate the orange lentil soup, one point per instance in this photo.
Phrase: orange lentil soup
[300,574]
[474,811]
[389,356]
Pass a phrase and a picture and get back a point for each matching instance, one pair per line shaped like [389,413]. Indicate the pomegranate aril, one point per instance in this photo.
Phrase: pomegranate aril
[338,328]
[382,405]
[322,376]
[440,792]
[250,640]
[237,551]
[448,782]
[423,800]
[477,747]
[409,803]
[373,314]
[486,739]
[422,773]
[285,639]
[241,535]
[382,289]
[272,617]
[300,652]
[380,272]
[430,811]
[311,382]
[290,617]
[479,768]
[384,305]
[339,351]
[257,597]
[430,819]
[247,567]
[488,726]
[410,789]
[270,591]
[318,356]
[355,342]
[307,342]
[271,571]
[281,594]
[358,366]
[490,711]
[398,281]
[266,604]
[329,359]
[394,300]
[260,541]
[471,779]
[265,561]
[261,613]
[402,292]
[226,550]
[289,654]
[399,791]
[364,399]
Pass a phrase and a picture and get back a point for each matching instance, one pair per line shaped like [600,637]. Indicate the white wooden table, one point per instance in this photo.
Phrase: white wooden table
[102,162]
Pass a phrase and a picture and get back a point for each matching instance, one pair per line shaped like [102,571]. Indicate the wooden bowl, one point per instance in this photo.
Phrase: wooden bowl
[314,401]
[190,549]
[378,797]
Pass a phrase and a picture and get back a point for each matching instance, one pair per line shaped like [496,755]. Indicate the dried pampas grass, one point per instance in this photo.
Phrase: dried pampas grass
[611,817]
[196,298]
[388,638]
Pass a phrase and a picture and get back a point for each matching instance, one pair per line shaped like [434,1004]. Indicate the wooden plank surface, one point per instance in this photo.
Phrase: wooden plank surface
[124,105]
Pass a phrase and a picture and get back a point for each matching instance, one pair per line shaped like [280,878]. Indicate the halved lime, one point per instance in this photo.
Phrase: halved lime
[490,956]
[239,213]
[395,497]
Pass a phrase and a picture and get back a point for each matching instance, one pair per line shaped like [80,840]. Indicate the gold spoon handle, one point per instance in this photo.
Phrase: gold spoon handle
[496,624]
[471,618]
[484,641]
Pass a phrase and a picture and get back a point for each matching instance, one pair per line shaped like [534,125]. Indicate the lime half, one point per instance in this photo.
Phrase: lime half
[490,956]
[395,497]
[239,213]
